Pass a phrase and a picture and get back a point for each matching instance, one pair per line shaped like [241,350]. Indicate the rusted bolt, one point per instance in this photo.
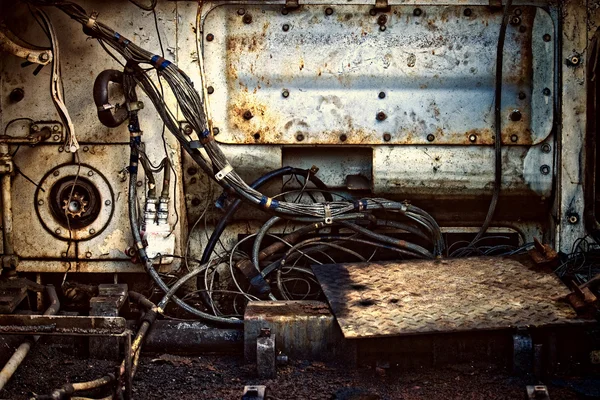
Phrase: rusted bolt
[63,254]
[86,149]
[545,169]
[547,37]
[522,29]
[546,148]
[387,137]
[210,90]
[522,96]
[573,218]
[515,115]
[57,231]
[285,27]
[216,131]
[430,137]
[56,138]
[417,12]
[546,92]
[285,93]
[210,37]
[514,138]
[56,173]
[40,202]
[187,129]
[61,149]
[130,251]
[256,136]
[44,57]
[382,28]
[88,255]
[515,21]
[248,115]
[285,11]
[16,95]
[382,95]
[329,11]
[382,19]
[241,11]
[472,138]
[192,171]
[247,19]
[35,128]
[381,116]
[92,231]
[299,137]
[90,173]
[468,12]
[373,12]
[139,183]
[107,203]
[518,12]
[343,138]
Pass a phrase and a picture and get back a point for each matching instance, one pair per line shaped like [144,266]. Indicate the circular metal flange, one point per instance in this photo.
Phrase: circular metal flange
[44,199]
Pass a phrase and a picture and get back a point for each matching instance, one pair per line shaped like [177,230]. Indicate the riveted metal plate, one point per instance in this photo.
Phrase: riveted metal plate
[416,297]
[313,76]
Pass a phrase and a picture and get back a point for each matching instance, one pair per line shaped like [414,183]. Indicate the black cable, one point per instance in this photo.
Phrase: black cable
[144,7]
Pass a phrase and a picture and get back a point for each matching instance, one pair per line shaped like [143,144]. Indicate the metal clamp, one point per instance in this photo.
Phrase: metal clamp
[92,20]
[223,173]
[328,218]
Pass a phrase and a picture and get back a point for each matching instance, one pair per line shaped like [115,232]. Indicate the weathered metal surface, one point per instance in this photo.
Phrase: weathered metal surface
[59,324]
[109,301]
[416,297]
[306,77]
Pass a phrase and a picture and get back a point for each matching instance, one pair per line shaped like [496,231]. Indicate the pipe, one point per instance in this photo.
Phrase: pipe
[105,115]
[21,352]
[7,216]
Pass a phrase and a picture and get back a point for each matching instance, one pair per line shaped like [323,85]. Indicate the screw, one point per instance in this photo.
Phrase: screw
[468,12]
[382,28]
[285,93]
[382,20]
[210,37]
[216,131]
[55,128]
[518,11]
[285,27]
[284,11]
[547,37]
[56,138]
[299,137]
[40,202]
[430,137]
[515,20]
[90,173]
[61,149]
[546,148]
[139,183]
[387,137]
[107,203]
[343,138]
[247,19]
[515,115]
[92,231]
[241,11]
[329,11]
[546,92]
[210,90]
[57,231]
[575,60]
[86,149]
[417,12]
[187,129]
[522,96]
[514,138]
[195,202]
[382,95]
[472,138]
[35,128]
[63,254]
[44,57]
[256,136]
[88,255]
[16,95]
[381,116]
[373,12]
[56,173]
[248,115]
[545,169]
[573,218]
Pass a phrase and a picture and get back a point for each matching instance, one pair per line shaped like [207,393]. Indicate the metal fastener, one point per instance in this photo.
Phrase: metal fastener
[61,149]
[107,203]
[373,12]
[57,231]
[515,115]
[545,169]
[210,90]
[56,173]
[382,19]
[284,11]
[381,116]
[92,231]
[187,129]
[90,173]
[88,255]
[241,11]
[343,138]
[285,93]
[546,92]
[55,128]
[256,136]
[546,148]
[472,138]
[56,138]
[382,28]
[40,202]
[44,57]
[430,137]
[16,95]
[514,138]
[299,137]
[86,149]
[35,128]
[63,254]
[248,115]
[285,27]
[139,183]
[518,11]
[387,137]
[210,37]
[547,37]
[247,19]
[417,12]
[515,21]
[573,218]
[382,95]
[329,11]
[468,12]
[575,60]
[216,131]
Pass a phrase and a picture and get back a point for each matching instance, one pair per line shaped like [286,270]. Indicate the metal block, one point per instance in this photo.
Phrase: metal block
[430,296]
[255,392]
[537,392]
[304,329]
[109,301]
[62,325]
[522,353]
[266,355]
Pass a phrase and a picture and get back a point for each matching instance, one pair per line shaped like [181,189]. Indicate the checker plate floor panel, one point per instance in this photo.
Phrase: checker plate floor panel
[434,296]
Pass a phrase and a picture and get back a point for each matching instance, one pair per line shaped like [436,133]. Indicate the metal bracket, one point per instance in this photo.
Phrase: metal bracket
[12,44]
[266,358]
[382,5]
[292,4]
[254,392]
[537,392]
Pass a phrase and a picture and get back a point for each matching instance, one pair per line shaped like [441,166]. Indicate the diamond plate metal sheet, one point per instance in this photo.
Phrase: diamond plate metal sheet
[417,297]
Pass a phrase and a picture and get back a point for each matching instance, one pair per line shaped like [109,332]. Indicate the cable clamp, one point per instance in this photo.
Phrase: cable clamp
[328,218]
[135,134]
[223,173]
[105,107]
[135,105]
[92,20]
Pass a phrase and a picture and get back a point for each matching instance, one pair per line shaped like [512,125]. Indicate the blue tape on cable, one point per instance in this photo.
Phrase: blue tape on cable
[205,133]
[164,65]
[154,59]
[364,204]
[260,284]
[263,201]
[274,204]
[117,36]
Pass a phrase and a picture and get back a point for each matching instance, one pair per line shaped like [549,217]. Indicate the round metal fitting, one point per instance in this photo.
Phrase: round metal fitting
[515,21]
[545,169]
[285,27]
[430,137]
[546,92]
[74,199]
[547,37]
[328,11]
[86,149]
[300,137]
[468,12]
[382,28]
[44,57]
[210,90]
[387,137]
[573,218]
[248,115]
[373,12]
[247,19]
[16,95]
[215,131]
[35,128]
[381,95]
[575,60]
[139,183]
[56,138]
[285,93]
[417,12]
[61,149]
[343,138]
[382,19]
[241,11]
[472,138]
[546,148]
[515,115]
[187,129]
[381,116]
[522,96]
[514,138]
[210,37]
[88,255]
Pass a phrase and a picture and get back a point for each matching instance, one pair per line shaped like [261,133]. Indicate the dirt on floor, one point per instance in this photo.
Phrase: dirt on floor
[224,377]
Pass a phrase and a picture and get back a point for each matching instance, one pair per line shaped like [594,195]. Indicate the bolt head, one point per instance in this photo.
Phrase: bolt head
[387,137]
[44,57]
[57,231]
[56,173]
[17,95]
[573,219]
[216,131]
[545,169]
[40,202]
[417,12]
[285,93]
[430,137]
[210,90]
[575,60]
[285,27]
[381,116]
[546,92]
[61,149]
[90,173]
[92,231]
[35,128]
[468,12]
[56,138]
[139,183]
[373,12]
[210,37]
[472,138]
[546,148]
[241,11]
[107,203]
[329,11]
[382,19]
[86,149]
[248,115]
[515,115]
[382,95]
[343,138]
[187,129]
[88,255]
[247,19]
[299,137]
[547,37]
[514,138]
